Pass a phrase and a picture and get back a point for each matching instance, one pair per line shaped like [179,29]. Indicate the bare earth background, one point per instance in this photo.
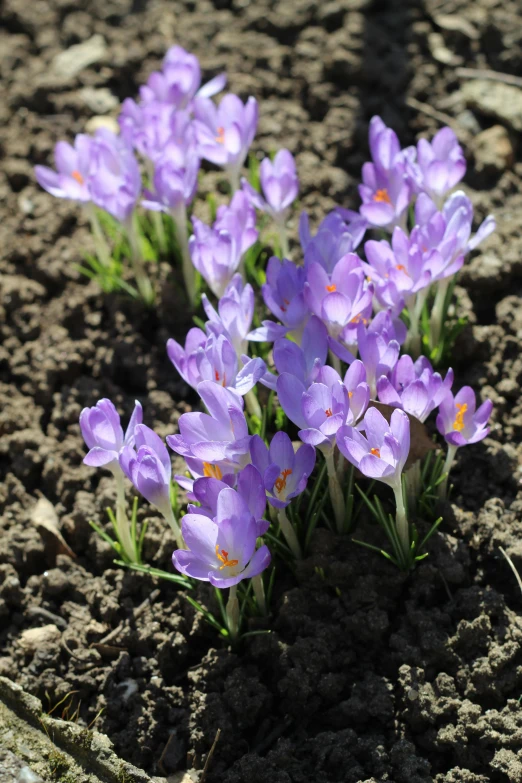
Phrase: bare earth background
[368,676]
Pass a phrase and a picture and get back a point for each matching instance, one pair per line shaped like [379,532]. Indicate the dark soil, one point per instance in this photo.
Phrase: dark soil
[368,675]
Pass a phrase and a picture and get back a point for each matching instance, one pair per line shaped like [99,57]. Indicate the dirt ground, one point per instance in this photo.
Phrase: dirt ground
[368,675]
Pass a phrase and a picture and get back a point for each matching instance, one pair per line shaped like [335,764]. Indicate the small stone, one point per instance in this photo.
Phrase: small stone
[495,99]
[26,775]
[110,123]
[34,638]
[101,100]
[73,60]
[493,150]
[440,52]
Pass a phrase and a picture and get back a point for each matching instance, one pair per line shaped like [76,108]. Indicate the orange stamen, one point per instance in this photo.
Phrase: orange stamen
[382,195]
[401,268]
[220,138]
[223,557]
[77,176]
[331,288]
[350,394]
[212,471]
[280,483]
[375,452]
[216,375]
[458,424]
[328,412]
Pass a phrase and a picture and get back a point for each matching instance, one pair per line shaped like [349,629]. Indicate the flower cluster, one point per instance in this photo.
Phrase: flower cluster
[339,322]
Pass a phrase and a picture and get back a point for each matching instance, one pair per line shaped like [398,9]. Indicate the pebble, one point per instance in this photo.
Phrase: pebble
[493,150]
[73,60]
[495,99]
[34,638]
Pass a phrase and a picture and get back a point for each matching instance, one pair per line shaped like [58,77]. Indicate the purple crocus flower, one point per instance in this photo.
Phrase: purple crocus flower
[285,472]
[279,184]
[459,421]
[175,180]
[71,178]
[179,80]
[379,350]
[386,190]
[115,179]
[440,164]
[214,360]
[414,387]
[249,487]
[284,297]
[222,550]
[150,127]
[358,391]
[304,362]
[382,454]
[341,298]
[239,220]
[103,433]
[234,313]
[339,233]
[149,468]
[225,132]
[318,410]
[218,439]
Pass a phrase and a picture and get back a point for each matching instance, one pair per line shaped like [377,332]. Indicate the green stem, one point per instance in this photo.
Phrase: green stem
[259,592]
[289,533]
[336,363]
[450,457]
[283,238]
[232,612]
[179,216]
[252,404]
[169,517]
[102,248]
[122,522]
[401,520]
[437,312]
[157,217]
[142,280]
[336,493]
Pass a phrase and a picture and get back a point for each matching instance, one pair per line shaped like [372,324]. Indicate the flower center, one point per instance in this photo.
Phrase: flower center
[77,176]
[358,319]
[375,452]
[220,138]
[401,268]
[382,196]
[280,483]
[331,288]
[223,557]
[458,424]
[217,377]
[212,471]
[328,412]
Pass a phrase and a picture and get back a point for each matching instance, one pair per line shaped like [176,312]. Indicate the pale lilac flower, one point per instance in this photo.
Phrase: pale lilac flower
[234,313]
[151,127]
[305,361]
[279,185]
[386,191]
[222,550]
[283,294]
[285,472]
[414,387]
[114,175]
[440,164]
[225,132]
[71,178]
[179,80]
[175,180]
[358,391]
[239,219]
[339,233]
[103,433]
[378,349]
[459,421]
[149,468]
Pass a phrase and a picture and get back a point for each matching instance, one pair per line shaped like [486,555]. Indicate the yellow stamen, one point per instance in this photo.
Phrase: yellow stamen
[220,138]
[458,424]
[382,195]
[212,471]
[77,176]
[331,288]
[328,412]
[375,452]
[223,557]
[280,483]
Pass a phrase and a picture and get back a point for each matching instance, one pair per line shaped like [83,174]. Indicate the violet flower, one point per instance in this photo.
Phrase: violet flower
[303,362]
[149,468]
[71,179]
[461,423]
[378,349]
[386,191]
[218,438]
[381,455]
[283,294]
[150,127]
[234,313]
[339,233]
[179,80]
[214,359]
[358,391]
[414,387]
[175,180]
[115,178]
[440,164]
[225,132]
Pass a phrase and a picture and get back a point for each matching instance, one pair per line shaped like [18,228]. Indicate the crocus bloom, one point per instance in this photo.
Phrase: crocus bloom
[222,550]
[225,132]
[459,421]
[358,391]
[214,359]
[218,438]
[440,164]
[150,127]
[386,190]
[304,362]
[379,351]
[285,472]
[115,179]
[175,180]
[149,467]
[71,178]
[249,487]
[414,387]
[284,297]
[103,433]
[239,219]
[318,410]
[179,80]
[339,233]
[279,184]
[340,299]
[234,313]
